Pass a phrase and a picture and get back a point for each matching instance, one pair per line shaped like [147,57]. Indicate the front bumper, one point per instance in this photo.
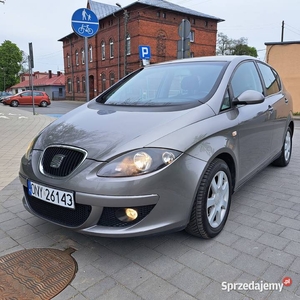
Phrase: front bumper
[163,198]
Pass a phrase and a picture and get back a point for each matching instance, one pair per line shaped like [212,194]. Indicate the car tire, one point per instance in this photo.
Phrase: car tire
[14,103]
[212,204]
[286,151]
[43,104]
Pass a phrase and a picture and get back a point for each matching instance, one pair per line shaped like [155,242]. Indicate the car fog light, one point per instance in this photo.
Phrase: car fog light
[126,214]
[168,157]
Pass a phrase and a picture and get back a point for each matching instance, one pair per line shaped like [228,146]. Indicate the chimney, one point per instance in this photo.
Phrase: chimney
[50,74]
[58,73]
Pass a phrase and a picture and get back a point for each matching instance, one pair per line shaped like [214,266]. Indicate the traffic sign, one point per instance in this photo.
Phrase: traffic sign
[184,28]
[145,52]
[85,23]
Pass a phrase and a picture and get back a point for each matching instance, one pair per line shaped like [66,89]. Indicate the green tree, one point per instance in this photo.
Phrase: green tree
[10,64]
[228,46]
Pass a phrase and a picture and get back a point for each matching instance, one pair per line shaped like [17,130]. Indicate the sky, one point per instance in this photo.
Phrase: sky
[44,22]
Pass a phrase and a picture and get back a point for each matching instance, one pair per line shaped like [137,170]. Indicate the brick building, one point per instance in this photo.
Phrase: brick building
[154,23]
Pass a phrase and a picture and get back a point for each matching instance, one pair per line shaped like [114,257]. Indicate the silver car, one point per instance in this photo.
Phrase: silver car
[161,150]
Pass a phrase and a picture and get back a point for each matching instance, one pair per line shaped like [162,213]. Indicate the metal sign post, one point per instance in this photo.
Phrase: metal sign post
[31,66]
[86,24]
[183,45]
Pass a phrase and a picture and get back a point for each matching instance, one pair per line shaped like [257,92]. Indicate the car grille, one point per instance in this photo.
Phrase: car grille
[58,214]
[108,217]
[61,161]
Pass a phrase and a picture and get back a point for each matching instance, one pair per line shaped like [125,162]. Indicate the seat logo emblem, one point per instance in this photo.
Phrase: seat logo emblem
[57,161]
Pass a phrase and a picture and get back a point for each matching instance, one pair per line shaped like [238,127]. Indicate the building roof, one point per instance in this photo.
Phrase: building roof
[44,81]
[282,43]
[174,7]
[103,10]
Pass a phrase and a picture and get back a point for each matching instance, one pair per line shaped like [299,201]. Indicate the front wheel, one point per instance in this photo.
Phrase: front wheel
[286,151]
[14,103]
[212,203]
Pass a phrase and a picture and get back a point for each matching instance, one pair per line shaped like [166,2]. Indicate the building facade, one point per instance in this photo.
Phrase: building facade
[52,84]
[284,57]
[114,51]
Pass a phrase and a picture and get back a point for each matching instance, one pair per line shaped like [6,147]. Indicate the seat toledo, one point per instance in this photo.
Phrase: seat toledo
[161,150]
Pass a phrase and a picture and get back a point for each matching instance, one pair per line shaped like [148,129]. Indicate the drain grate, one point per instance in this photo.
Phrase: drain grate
[36,274]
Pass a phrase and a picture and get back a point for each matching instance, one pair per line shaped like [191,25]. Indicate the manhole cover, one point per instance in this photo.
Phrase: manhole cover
[39,273]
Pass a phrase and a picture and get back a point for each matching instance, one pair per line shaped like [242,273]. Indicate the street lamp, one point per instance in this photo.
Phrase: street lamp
[126,16]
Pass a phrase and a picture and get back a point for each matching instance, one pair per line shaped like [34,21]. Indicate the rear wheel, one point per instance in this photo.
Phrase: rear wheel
[43,104]
[286,150]
[212,203]
[14,103]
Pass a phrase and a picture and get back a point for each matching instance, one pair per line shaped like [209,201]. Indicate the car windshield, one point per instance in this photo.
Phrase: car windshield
[168,84]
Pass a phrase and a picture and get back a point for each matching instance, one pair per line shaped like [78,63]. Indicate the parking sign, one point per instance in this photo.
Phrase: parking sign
[145,52]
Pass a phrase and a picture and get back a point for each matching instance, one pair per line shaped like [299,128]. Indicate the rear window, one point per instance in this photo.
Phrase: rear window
[164,85]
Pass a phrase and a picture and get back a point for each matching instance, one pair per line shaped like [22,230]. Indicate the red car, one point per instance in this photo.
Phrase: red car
[25,98]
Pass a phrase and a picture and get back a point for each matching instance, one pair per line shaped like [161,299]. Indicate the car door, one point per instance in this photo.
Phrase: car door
[279,104]
[254,130]
[25,98]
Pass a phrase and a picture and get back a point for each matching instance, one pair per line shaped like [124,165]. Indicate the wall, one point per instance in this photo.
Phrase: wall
[284,57]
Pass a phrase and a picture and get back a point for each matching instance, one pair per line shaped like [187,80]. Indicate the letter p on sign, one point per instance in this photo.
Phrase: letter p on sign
[145,52]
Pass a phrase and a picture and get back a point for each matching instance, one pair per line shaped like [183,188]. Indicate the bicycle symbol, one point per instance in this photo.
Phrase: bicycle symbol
[85,28]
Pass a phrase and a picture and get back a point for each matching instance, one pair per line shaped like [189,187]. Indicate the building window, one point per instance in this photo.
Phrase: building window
[103,79]
[194,21]
[78,84]
[111,48]
[112,78]
[164,15]
[158,14]
[82,56]
[68,60]
[69,85]
[76,58]
[91,53]
[192,36]
[128,46]
[83,84]
[191,54]
[103,50]
[206,23]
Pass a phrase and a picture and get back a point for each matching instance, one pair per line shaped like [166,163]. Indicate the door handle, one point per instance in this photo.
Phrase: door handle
[270,108]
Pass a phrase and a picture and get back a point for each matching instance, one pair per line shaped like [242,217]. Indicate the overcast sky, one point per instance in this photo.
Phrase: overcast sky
[44,22]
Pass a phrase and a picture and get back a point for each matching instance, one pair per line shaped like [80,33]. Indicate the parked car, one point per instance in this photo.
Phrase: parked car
[162,150]
[4,94]
[25,98]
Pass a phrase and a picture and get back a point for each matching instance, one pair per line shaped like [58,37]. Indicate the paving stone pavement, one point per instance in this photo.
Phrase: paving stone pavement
[260,243]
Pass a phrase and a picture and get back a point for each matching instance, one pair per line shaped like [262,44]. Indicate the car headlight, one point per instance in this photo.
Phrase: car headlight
[29,148]
[139,162]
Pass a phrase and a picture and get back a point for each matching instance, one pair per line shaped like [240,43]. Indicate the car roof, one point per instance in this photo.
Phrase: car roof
[224,58]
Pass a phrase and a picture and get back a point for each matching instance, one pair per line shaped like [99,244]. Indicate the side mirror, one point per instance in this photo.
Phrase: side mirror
[249,97]
[21,95]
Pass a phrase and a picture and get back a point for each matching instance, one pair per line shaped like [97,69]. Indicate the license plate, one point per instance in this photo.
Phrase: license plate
[54,196]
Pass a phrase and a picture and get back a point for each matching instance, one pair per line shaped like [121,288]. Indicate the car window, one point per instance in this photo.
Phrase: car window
[271,79]
[226,101]
[26,94]
[37,94]
[245,78]
[162,85]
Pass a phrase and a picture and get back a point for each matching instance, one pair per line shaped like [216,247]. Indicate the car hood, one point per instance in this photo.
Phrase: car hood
[105,132]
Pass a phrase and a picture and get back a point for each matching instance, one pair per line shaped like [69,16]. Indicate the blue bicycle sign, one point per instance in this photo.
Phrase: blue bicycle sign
[85,28]
[85,23]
